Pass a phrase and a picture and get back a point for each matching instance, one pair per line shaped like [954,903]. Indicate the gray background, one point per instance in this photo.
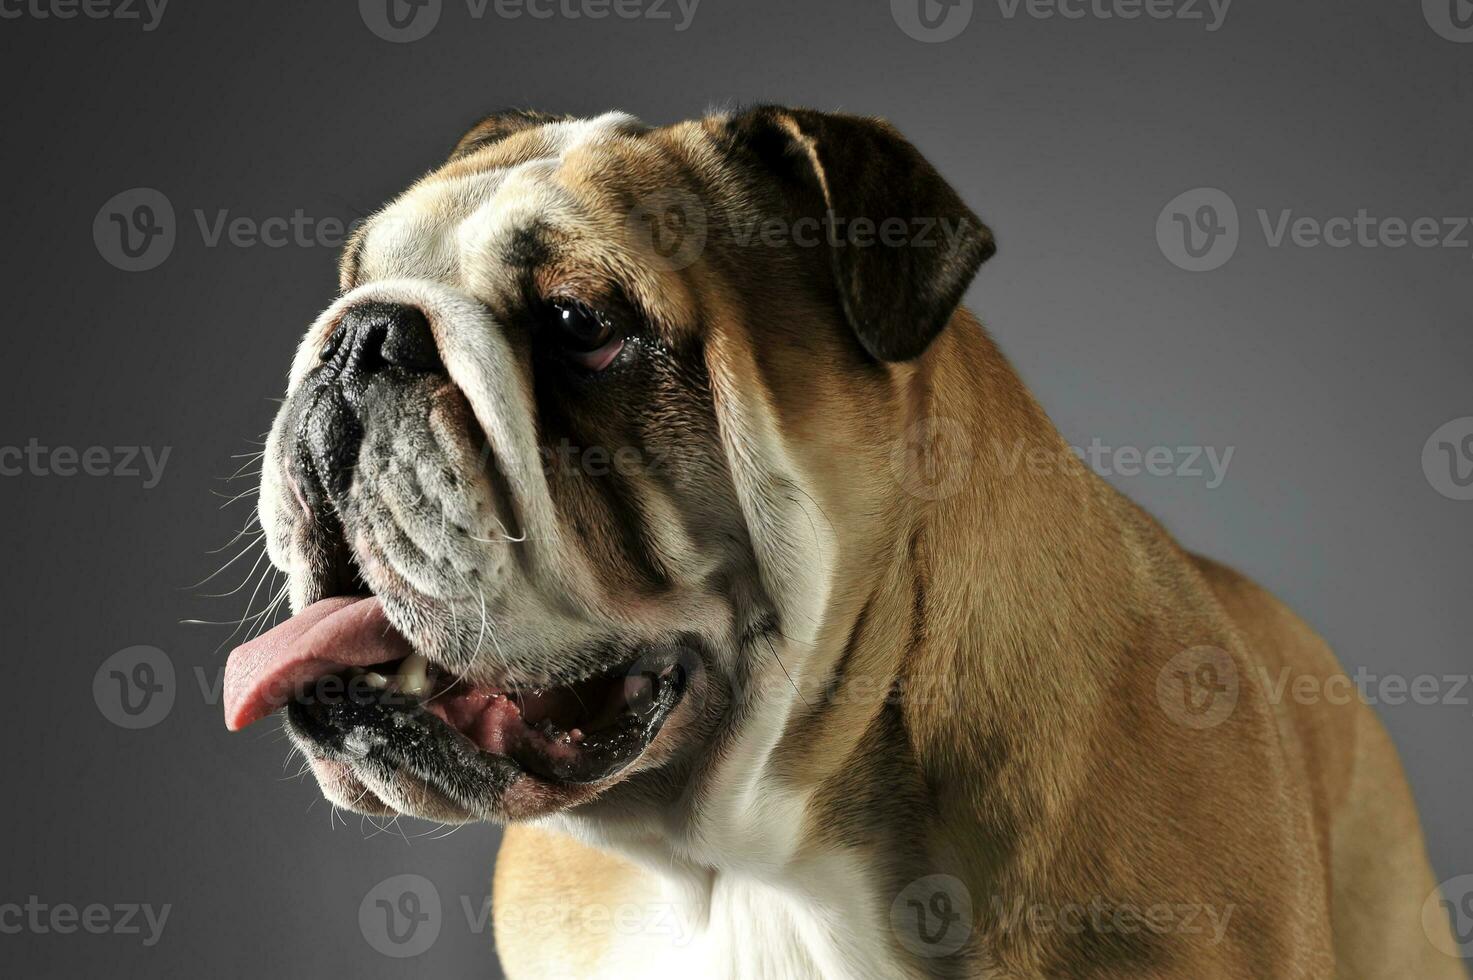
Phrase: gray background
[1326,369]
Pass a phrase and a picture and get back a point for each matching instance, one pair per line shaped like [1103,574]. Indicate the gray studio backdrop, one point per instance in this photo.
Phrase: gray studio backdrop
[1208,225]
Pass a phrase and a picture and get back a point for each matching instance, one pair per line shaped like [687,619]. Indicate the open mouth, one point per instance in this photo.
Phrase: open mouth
[340,664]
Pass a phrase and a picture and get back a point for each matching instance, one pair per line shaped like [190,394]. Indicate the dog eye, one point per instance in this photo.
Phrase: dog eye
[585,336]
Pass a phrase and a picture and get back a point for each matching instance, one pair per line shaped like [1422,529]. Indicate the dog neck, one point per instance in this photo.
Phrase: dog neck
[965,645]
[923,725]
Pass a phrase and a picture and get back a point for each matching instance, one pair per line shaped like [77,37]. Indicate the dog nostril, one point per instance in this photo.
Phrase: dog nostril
[375,336]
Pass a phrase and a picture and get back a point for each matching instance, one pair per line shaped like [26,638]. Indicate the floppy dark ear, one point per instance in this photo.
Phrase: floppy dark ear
[899,289]
[498,126]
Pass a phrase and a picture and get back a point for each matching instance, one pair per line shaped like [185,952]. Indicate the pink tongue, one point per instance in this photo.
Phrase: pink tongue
[275,667]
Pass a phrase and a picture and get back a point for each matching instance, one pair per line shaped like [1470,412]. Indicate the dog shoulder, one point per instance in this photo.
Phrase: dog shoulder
[1363,805]
[1290,659]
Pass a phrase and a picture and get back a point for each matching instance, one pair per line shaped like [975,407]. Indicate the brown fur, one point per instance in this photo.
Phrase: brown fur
[1051,774]
[981,699]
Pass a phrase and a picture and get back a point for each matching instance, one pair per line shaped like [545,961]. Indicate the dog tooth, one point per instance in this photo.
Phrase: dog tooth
[375,680]
[414,677]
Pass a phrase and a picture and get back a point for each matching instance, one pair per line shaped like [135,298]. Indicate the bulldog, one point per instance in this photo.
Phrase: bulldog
[646,490]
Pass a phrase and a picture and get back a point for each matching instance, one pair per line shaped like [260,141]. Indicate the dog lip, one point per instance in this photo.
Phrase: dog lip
[341,666]
[526,730]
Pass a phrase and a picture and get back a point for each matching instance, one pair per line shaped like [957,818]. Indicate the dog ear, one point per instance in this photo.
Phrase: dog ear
[498,126]
[896,296]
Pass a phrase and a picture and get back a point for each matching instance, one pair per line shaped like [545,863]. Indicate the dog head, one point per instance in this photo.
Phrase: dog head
[578,457]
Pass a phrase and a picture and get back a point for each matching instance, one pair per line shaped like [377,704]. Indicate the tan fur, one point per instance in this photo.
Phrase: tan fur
[555,902]
[1052,604]
[976,691]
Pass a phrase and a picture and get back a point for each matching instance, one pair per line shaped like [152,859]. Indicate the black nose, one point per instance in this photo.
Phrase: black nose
[376,336]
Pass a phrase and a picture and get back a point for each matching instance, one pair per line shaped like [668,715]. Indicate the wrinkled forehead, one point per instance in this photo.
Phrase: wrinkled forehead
[553,202]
